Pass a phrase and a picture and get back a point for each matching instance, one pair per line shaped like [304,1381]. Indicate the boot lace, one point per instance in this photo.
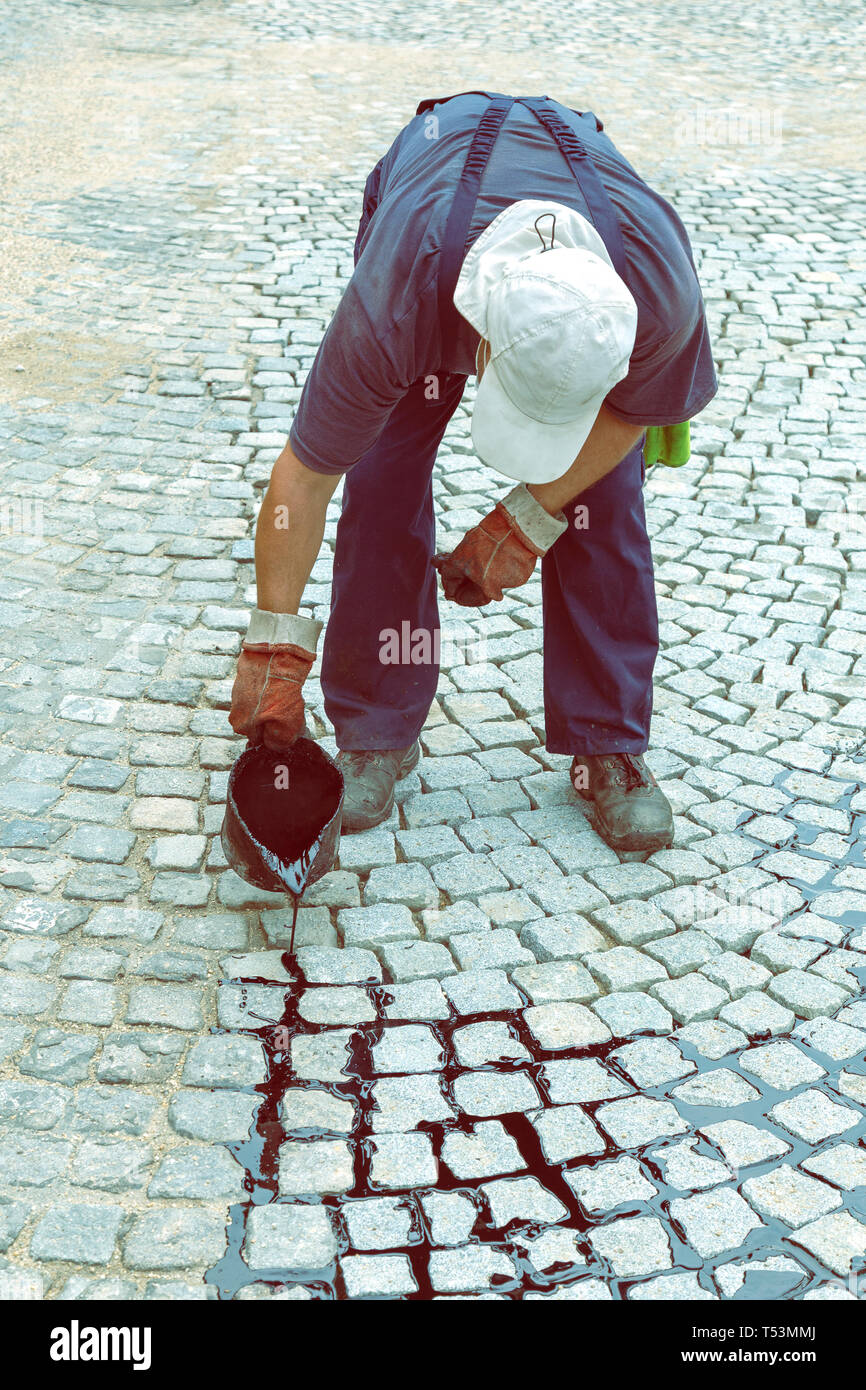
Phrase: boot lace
[356,760]
[630,774]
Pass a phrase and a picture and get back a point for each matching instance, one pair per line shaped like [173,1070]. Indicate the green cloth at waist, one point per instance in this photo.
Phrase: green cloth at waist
[668,444]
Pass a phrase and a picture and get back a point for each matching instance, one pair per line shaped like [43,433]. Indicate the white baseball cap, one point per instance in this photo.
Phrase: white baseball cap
[561,327]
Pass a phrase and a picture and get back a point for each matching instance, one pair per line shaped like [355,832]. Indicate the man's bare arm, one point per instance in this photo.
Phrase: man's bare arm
[606,445]
[289,532]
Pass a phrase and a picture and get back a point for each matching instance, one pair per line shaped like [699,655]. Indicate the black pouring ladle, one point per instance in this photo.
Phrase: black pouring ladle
[281,828]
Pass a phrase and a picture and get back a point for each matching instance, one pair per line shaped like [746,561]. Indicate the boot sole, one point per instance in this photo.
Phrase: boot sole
[358,823]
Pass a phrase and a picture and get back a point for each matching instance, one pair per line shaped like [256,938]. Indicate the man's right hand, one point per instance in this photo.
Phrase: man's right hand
[267,701]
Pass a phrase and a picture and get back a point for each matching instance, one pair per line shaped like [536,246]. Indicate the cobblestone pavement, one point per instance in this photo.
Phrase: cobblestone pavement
[503,1064]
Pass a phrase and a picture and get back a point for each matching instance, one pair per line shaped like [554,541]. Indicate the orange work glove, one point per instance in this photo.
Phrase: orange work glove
[500,552]
[275,660]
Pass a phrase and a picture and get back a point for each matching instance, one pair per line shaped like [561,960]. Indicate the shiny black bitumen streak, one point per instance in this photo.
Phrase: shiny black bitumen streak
[259,1154]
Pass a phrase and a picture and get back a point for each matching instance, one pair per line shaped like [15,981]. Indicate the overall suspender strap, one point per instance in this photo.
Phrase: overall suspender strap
[601,210]
[453,247]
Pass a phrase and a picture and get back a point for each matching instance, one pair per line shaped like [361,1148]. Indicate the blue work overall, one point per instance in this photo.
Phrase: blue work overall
[599,609]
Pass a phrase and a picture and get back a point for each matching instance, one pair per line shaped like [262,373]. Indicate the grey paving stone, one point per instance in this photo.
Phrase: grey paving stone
[55,1055]
[477,1044]
[369,926]
[402,1161]
[835,1240]
[787,1195]
[201,1173]
[469,1267]
[485,1151]
[807,994]
[521,1199]
[712,1038]
[336,1004]
[491,950]
[229,1060]
[437,808]
[509,908]
[415,960]
[140,1057]
[720,1088]
[481,991]
[623,969]
[743,1144]
[844,1165]
[564,1025]
[440,924]
[555,1246]
[90,963]
[13,1217]
[652,1062]
[715,1221]
[88,1001]
[450,1216]
[632,923]
[335,889]
[384,1276]
[566,1132]
[112,1110]
[417,1000]
[290,1236]
[629,881]
[412,1047]
[633,1245]
[326,966]
[216,931]
[633,1122]
[322,1057]
[561,938]
[631,1013]
[556,980]
[687,1170]
[377,1223]
[315,1165]
[581,1079]
[125,923]
[466,876]
[567,896]
[813,1116]
[308,1109]
[24,996]
[834,1039]
[684,952]
[369,850]
[780,1065]
[756,1015]
[221,1118]
[609,1185]
[172,1006]
[486,1093]
[100,843]
[691,998]
[31,1161]
[734,973]
[403,1103]
[85,1234]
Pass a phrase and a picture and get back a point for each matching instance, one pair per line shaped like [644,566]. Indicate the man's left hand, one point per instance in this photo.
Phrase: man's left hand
[500,552]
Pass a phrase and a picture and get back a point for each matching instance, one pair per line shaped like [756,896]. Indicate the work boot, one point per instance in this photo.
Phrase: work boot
[627,807]
[370,778]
